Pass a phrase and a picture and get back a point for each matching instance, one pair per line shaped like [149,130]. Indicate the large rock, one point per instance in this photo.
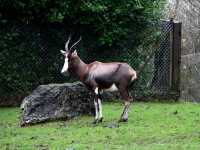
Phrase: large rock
[58,101]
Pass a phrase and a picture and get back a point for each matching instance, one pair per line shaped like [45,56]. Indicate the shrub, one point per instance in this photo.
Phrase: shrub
[32,32]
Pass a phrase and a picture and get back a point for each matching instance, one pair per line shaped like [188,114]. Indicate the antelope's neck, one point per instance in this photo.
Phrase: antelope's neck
[82,70]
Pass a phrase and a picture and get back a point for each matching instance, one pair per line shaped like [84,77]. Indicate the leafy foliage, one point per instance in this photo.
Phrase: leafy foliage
[26,61]
[112,22]
[32,32]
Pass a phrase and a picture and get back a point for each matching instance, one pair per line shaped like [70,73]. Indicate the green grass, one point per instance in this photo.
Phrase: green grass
[151,126]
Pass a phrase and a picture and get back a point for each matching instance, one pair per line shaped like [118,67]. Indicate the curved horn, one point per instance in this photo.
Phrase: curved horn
[75,43]
[67,43]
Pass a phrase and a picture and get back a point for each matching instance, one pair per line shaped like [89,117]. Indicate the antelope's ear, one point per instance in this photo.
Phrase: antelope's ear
[75,53]
[63,52]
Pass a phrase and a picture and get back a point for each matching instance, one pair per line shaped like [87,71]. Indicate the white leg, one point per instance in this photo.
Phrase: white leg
[96,91]
[124,116]
[96,105]
[100,108]
[96,110]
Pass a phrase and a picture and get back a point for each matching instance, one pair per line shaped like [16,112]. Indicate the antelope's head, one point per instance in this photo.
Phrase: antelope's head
[70,55]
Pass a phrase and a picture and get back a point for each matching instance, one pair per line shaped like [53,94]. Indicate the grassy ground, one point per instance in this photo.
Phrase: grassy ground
[151,126]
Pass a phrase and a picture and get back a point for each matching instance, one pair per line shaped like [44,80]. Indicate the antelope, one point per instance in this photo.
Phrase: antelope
[98,76]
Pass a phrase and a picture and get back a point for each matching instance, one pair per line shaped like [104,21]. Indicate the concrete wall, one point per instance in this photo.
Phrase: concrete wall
[188,12]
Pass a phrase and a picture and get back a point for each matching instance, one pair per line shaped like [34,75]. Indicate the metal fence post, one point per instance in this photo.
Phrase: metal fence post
[176,57]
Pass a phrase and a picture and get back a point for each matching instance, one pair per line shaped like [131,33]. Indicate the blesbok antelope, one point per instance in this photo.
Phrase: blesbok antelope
[98,76]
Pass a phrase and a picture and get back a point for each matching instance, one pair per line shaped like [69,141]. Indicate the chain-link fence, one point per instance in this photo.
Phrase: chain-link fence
[159,78]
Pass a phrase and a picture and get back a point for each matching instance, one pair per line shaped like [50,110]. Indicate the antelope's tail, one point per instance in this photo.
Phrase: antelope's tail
[136,74]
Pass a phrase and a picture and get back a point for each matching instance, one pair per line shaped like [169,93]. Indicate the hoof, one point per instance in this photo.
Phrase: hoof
[100,120]
[123,120]
[95,121]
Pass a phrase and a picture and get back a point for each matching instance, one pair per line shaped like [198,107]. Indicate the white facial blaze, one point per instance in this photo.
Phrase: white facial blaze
[65,66]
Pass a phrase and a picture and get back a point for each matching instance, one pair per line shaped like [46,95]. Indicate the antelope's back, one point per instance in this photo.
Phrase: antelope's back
[106,74]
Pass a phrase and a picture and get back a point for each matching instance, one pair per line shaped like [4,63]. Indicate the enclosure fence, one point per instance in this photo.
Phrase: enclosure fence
[160,77]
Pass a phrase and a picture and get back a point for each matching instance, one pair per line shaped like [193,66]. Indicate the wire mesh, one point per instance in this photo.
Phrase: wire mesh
[156,58]
[155,77]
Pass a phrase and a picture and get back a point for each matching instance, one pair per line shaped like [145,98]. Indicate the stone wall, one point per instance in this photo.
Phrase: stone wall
[188,12]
